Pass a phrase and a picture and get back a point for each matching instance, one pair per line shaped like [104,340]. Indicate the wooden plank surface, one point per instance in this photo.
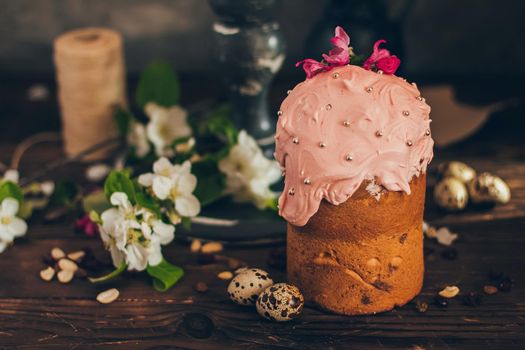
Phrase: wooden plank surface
[36,314]
[39,315]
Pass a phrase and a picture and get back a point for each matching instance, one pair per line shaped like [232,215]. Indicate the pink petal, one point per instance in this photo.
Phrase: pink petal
[388,65]
[337,57]
[311,67]
[341,34]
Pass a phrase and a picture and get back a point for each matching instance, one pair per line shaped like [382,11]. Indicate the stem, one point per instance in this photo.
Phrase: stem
[110,275]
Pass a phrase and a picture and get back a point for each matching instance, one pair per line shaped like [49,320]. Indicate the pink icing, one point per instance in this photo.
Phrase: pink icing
[345,126]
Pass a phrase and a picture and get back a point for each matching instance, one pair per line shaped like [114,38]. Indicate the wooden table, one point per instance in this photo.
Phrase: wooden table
[36,314]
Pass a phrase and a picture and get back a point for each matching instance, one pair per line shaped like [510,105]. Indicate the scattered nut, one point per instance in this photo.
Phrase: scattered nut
[449,292]
[76,256]
[108,296]
[47,274]
[225,275]
[458,170]
[201,287]
[490,289]
[57,253]
[234,263]
[451,194]
[421,306]
[239,270]
[211,248]
[445,237]
[65,276]
[195,246]
[488,188]
[66,264]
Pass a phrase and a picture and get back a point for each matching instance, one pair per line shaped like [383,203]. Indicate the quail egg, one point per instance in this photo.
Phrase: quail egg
[458,170]
[246,286]
[280,302]
[451,194]
[488,188]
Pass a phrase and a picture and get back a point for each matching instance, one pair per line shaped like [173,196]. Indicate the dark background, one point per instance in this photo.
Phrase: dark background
[476,46]
[442,38]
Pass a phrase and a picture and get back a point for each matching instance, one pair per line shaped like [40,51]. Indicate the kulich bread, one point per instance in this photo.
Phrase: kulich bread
[362,256]
[354,145]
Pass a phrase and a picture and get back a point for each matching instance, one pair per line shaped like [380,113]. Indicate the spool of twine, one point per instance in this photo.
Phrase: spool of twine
[90,74]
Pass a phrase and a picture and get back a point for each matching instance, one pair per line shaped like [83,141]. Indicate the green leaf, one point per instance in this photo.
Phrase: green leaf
[211,183]
[165,275]
[122,267]
[95,201]
[357,60]
[220,124]
[148,202]
[119,181]
[186,223]
[272,204]
[123,118]
[66,194]
[10,189]
[160,84]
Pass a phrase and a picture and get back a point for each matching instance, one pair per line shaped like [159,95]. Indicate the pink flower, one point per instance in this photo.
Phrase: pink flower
[381,59]
[86,225]
[312,67]
[341,39]
[388,65]
[339,55]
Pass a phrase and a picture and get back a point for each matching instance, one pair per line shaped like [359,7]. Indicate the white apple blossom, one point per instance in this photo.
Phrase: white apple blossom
[11,175]
[175,183]
[11,226]
[132,234]
[137,138]
[165,126]
[249,173]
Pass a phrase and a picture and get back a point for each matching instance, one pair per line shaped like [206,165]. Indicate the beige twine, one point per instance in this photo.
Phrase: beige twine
[90,74]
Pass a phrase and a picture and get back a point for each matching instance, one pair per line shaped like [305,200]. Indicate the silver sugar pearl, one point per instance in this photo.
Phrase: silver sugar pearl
[288,92]
[406,113]
[279,113]
[328,107]
[335,75]
[409,143]
[369,89]
[349,157]
[322,144]
[307,181]
[379,133]
[380,72]
[295,140]
[427,132]
[419,98]
[291,191]
[346,123]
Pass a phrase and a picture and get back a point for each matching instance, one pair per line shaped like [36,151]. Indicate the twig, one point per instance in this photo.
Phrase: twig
[203,220]
[60,162]
[29,142]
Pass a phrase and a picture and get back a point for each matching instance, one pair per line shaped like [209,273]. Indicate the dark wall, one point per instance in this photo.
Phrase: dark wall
[446,37]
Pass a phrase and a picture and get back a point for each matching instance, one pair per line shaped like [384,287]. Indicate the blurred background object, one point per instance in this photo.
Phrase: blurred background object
[470,46]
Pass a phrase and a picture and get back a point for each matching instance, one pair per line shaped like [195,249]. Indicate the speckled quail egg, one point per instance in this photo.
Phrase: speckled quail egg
[488,188]
[246,286]
[451,194]
[458,170]
[280,302]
